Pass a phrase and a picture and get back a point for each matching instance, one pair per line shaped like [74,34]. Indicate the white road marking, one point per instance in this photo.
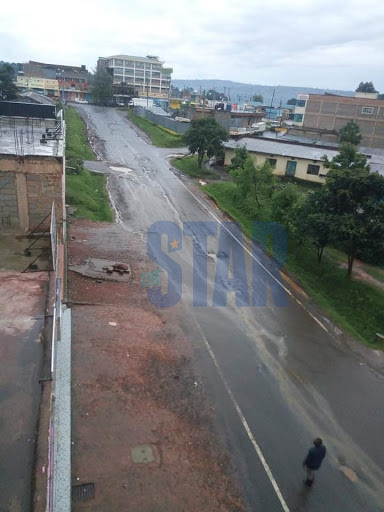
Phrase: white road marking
[254,257]
[241,415]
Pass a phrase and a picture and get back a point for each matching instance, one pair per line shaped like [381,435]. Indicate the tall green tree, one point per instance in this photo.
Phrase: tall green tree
[292,101]
[102,89]
[239,159]
[350,133]
[283,204]
[348,158]
[8,88]
[349,209]
[205,137]
[366,87]
[253,180]
[258,98]
[312,219]
[356,206]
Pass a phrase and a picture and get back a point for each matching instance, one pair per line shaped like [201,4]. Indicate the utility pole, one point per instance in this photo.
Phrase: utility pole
[270,110]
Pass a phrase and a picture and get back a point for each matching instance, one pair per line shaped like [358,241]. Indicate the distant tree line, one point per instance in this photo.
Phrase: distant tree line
[366,87]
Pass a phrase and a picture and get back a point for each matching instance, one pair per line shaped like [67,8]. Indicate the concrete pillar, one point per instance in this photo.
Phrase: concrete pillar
[22,201]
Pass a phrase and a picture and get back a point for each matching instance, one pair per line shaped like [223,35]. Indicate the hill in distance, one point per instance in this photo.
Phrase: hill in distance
[239,92]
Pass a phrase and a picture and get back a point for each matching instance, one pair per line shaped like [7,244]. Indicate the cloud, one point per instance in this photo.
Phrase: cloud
[300,42]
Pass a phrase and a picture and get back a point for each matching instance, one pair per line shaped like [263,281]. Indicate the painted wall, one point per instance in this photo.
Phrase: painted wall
[281,165]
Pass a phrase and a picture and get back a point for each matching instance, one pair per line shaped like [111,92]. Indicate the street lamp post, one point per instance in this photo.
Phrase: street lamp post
[146,79]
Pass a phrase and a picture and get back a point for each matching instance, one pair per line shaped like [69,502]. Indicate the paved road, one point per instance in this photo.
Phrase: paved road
[277,377]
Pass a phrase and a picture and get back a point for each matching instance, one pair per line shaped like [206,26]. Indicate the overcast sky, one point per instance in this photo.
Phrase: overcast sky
[317,43]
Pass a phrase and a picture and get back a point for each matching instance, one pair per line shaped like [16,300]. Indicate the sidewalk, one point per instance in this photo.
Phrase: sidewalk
[22,306]
[143,432]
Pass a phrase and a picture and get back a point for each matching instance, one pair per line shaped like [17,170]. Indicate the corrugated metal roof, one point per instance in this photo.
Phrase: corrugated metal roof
[272,147]
[38,98]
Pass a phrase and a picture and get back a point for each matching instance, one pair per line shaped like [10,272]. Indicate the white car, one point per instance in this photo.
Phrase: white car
[79,100]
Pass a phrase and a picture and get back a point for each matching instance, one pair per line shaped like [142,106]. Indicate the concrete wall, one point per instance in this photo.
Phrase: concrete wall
[281,164]
[163,121]
[27,189]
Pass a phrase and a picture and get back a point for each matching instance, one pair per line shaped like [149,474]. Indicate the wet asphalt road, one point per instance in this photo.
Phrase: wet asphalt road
[286,379]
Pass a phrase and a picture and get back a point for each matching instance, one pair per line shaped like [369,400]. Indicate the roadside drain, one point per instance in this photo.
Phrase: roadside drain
[84,492]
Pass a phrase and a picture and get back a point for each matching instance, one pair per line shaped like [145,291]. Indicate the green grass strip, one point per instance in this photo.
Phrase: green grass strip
[77,145]
[356,306]
[88,192]
[159,137]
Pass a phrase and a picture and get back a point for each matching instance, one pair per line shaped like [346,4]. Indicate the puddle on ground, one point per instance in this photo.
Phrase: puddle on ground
[125,170]
[349,473]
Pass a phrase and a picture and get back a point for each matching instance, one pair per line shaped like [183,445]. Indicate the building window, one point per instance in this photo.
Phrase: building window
[301,103]
[129,72]
[139,72]
[313,169]
[118,71]
[139,65]
[298,118]
[367,110]
[272,162]
[290,169]
[129,63]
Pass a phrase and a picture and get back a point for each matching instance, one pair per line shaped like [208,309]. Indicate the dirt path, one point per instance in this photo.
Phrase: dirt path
[143,431]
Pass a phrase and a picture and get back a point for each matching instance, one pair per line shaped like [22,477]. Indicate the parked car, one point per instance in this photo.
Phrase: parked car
[79,100]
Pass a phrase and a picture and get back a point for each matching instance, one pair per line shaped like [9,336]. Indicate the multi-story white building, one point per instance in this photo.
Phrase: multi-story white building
[299,109]
[145,74]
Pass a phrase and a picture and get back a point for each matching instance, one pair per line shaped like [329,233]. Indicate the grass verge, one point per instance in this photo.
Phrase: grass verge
[88,192]
[188,165]
[356,306]
[160,137]
[77,145]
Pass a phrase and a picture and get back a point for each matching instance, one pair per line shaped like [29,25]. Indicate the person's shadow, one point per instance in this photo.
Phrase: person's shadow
[302,500]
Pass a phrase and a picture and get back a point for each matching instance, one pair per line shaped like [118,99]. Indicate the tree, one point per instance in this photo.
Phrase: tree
[175,92]
[356,204]
[354,201]
[366,87]
[205,136]
[216,96]
[292,101]
[102,90]
[348,159]
[8,88]
[311,219]
[258,98]
[252,179]
[283,202]
[350,133]
[241,155]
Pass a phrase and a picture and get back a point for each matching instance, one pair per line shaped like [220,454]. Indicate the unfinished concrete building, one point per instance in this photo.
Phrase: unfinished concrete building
[32,164]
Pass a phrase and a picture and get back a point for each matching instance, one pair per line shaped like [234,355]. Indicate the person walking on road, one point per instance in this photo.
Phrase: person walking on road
[313,460]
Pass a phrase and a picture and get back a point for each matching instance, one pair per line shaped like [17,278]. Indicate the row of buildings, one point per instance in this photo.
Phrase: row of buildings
[132,76]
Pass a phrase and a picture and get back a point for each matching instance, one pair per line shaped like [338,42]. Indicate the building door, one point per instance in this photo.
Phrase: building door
[290,170]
